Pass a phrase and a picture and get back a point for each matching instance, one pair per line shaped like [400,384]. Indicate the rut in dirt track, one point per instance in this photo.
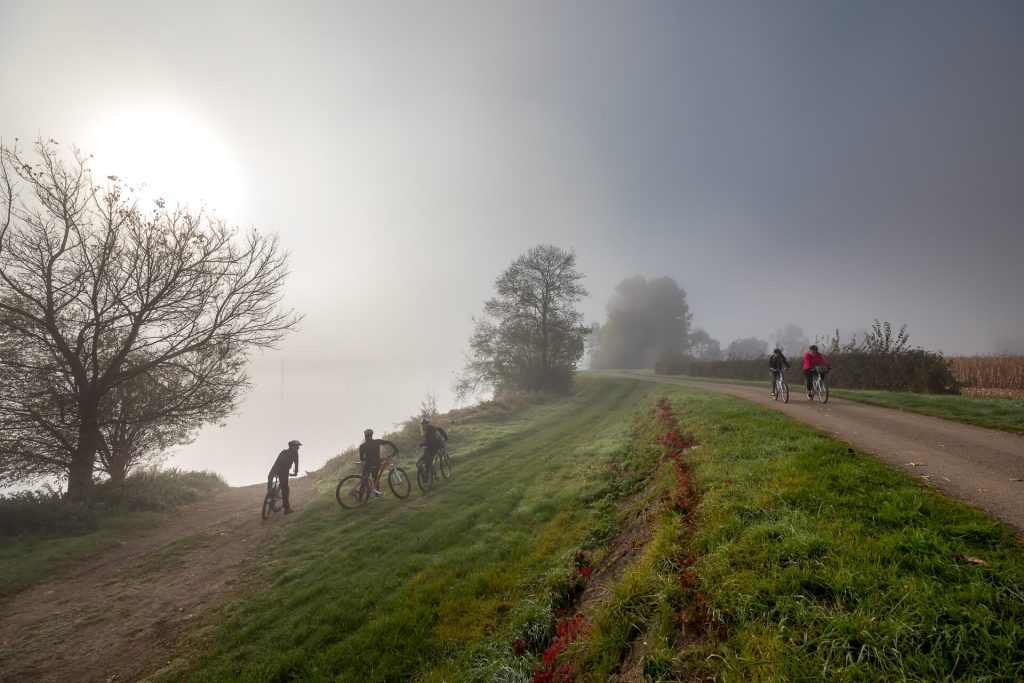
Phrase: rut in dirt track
[117,616]
[981,467]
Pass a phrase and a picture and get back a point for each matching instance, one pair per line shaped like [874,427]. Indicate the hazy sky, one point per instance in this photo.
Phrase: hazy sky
[823,163]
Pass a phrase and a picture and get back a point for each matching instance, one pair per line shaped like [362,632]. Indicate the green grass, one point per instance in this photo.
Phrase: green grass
[994,413]
[28,559]
[436,587]
[818,563]
[809,562]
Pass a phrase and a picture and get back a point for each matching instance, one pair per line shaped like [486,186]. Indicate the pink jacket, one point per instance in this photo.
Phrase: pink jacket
[812,360]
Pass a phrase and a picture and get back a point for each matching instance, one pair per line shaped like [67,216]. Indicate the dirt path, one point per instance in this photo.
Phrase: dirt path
[981,467]
[115,617]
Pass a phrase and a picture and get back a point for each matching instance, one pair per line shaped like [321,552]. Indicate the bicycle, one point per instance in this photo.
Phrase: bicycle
[425,478]
[272,502]
[355,489]
[779,387]
[819,384]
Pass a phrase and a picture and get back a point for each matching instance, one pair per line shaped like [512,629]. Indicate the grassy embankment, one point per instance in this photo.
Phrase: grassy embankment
[804,560]
[993,413]
[43,536]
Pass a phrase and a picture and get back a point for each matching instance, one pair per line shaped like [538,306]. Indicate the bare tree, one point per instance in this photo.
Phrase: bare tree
[103,303]
[531,337]
[703,346]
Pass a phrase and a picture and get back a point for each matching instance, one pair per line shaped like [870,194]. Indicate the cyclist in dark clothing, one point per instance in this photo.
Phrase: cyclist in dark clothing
[284,462]
[369,455]
[434,439]
[776,362]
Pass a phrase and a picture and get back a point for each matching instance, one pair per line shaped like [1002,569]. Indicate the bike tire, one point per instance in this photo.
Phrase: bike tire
[350,493]
[398,482]
[424,476]
[445,462]
[785,391]
[823,391]
[270,501]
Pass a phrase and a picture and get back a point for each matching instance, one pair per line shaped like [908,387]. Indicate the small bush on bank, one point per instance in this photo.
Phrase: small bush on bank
[153,489]
[47,511]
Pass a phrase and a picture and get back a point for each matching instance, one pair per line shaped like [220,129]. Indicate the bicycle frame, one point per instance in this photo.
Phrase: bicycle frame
[386,465]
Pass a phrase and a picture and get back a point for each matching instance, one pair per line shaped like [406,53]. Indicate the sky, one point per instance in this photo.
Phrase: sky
[824,163]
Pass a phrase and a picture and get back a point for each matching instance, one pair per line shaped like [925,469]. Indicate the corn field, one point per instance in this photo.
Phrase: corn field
[989,375]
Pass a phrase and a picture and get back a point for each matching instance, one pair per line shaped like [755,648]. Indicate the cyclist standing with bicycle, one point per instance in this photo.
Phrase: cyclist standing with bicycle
[284,462]
[812,360]
[433,439]
[369,455]
[776,362]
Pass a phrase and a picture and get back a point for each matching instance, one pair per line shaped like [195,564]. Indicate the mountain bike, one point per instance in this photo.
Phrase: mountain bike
[272,502]
[779,387]
[819,384]
[355,489]
[426,477]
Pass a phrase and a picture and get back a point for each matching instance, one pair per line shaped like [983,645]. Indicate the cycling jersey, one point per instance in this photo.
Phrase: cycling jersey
[813,359]
[369,451]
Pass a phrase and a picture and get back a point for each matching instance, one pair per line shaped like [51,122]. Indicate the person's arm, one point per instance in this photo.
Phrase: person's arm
[296,472]
[785,362]
[385,442]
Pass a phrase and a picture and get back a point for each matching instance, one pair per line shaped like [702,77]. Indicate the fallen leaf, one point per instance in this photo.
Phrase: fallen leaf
[915,464]
[1016,479]
[960,557]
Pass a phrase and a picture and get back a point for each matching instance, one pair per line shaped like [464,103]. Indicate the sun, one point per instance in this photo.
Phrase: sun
[171,155]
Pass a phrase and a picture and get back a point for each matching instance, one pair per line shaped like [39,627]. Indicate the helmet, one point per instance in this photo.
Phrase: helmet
[294,442]
[777,351]
[813,347]
[367,432]
[424,420]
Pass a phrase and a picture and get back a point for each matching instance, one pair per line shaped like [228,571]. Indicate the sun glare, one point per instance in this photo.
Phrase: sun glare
[171,155]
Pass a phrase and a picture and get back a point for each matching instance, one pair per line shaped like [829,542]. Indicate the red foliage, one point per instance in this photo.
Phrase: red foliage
[568,629]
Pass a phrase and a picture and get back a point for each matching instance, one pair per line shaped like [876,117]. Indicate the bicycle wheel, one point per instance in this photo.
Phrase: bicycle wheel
[424,475]
[270,500]
[823,390]
[446,463]
[350,492]
[398,482]
[784,390]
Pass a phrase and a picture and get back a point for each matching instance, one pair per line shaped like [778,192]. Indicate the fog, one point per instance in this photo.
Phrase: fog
[820,163]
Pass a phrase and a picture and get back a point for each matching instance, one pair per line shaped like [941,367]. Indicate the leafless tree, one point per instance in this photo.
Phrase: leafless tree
[111,313]
[531,337]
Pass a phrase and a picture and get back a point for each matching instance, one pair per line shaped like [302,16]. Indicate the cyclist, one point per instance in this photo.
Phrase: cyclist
[284,462]
[812,359]
[433,440]
[776,362]
[369,455]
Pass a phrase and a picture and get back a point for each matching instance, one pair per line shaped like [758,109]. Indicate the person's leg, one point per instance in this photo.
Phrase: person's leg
[808,381]
[284,491]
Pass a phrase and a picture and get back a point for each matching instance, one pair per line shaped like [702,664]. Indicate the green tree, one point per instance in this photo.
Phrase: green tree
[530,337]
[646,319]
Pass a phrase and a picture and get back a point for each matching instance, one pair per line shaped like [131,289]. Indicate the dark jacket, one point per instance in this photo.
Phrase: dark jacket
[369,451]
[777,362]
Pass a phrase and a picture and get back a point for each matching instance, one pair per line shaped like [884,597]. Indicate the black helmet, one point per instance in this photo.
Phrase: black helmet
[813,347]
[777,351]
[367,432]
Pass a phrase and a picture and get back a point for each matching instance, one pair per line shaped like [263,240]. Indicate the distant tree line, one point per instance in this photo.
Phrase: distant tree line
[122,329]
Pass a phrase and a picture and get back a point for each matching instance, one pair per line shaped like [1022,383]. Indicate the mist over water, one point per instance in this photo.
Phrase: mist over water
[323,402]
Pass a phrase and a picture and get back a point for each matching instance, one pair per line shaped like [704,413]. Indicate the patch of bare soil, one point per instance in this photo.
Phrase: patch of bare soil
[621,552]
[117,616]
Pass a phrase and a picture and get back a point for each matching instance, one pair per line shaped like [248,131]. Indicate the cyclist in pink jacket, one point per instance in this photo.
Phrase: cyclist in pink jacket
[812,360]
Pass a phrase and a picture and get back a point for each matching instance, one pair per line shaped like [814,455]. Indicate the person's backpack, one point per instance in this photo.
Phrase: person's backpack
[439,435]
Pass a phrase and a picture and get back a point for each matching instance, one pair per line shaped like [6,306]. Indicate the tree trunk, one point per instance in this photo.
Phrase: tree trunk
[89,438]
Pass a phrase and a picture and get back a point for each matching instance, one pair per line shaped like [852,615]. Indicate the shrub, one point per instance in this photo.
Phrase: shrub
[49,511]
[882,360]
